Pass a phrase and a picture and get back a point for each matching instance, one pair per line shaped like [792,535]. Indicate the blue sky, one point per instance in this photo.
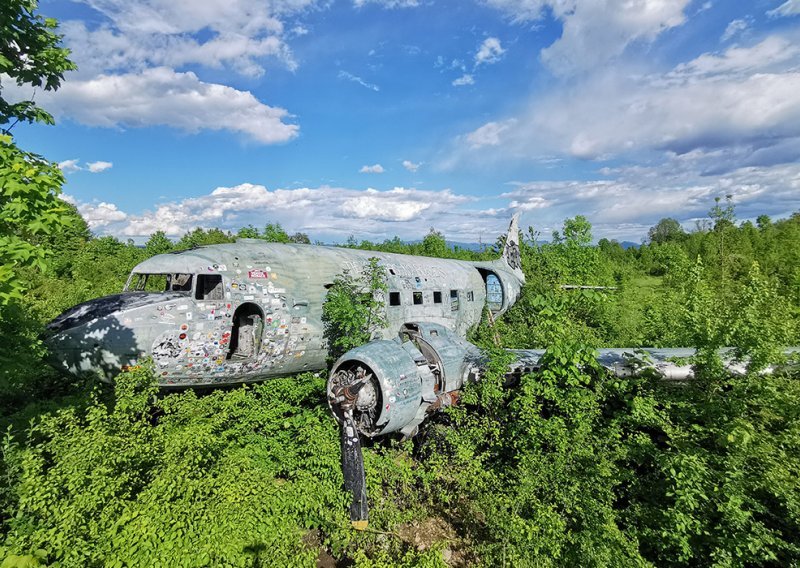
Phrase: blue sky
[387,117]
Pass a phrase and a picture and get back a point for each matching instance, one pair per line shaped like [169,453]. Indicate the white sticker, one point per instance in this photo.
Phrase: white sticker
[188,316]
[183,308]
[249,297]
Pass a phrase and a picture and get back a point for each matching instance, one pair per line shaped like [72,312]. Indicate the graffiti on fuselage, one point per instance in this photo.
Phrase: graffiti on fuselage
[200,341]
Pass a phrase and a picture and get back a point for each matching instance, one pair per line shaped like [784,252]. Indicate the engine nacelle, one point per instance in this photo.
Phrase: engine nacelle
[392,385]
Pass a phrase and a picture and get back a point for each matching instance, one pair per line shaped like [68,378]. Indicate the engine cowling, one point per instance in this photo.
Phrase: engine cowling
[392,385]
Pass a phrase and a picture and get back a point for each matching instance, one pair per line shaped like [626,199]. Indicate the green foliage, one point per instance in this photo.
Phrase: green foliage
[158,243]
[570,467]
[244,477]
[29,55]
[200,237]
[666,230]
[29,208]
[354,310]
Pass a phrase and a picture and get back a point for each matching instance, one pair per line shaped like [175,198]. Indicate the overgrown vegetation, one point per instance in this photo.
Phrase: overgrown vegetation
[570,468]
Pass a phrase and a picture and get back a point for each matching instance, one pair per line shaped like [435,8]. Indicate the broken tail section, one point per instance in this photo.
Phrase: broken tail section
[511,254]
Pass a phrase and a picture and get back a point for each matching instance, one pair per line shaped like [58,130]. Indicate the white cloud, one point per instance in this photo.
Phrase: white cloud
[374,169]
[390,4]
[788,8]
[150,49]
[595,32]
[465,79]
[359,80]
[489,134]
[490,51]
[237,34]
[69,166]
[373,207]
[743,97]
[162,96]
[637,197]
[99,166]
[411,166]
[101,214]
[734,27]
[323,211]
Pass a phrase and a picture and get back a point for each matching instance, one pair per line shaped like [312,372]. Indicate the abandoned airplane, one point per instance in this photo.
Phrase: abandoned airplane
[252,310]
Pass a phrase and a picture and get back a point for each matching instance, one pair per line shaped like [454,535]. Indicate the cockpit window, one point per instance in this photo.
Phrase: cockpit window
[179,282]
[140,282]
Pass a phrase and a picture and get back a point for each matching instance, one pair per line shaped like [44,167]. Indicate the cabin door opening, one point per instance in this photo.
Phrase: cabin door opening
[494,291]
[248,329]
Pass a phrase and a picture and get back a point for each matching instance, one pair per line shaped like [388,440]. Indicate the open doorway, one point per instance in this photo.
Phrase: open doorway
[247,331]
[495,295]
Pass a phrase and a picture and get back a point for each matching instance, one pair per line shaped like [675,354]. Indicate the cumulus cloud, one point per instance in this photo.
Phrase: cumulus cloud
[373,169]
[595,32]
[161,96]
[101,214]
[136,35]
[465,79]
[788,8]
[99,166]
[323,211]
[69,166]
[742,97]
[410,166]
[490,51]
[140,53]
[634,198]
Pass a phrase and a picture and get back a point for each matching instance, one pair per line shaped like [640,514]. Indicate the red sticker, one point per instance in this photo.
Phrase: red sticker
[257,274]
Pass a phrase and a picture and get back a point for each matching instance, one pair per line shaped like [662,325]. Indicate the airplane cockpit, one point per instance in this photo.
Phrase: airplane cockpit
[147,282]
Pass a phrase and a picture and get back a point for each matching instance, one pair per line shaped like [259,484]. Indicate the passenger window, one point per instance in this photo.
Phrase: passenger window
[453,300]
[209,287]
[417,298]
[394,298]
[437,297]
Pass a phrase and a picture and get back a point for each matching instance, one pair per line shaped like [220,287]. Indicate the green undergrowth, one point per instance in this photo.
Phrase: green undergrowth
[243,477]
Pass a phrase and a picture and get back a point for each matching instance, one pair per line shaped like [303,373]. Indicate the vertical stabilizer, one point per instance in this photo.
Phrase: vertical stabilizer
[511,255]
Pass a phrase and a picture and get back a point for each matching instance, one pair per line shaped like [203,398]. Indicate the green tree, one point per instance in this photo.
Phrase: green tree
[666,230]
[300,238]
[434,244]
[158,243]
[274,233]
[30,54]
[29,185]
[29,208]
[200,237]
[354,309]
[248,232]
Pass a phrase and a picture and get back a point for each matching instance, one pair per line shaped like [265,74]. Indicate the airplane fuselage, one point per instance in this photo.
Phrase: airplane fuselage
[252,310]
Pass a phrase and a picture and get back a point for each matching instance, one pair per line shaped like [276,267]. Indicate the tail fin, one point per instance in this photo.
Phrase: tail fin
[511,255]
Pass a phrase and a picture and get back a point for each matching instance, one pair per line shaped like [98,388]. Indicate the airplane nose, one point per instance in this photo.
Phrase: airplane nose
[90,338]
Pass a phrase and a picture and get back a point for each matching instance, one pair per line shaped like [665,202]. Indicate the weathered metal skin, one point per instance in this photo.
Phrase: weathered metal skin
[252,310]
